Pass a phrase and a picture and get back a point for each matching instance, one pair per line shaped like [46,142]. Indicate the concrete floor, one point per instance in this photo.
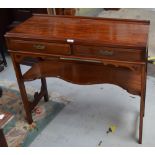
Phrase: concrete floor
[92,109]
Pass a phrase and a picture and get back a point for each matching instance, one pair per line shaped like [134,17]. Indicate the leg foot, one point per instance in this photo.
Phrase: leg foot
[28,117]
[141,119]
[140,130]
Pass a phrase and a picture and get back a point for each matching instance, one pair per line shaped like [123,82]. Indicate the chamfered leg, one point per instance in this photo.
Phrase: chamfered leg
[3,142]
[23,93]
[141,118]
[142,102]
[44,86]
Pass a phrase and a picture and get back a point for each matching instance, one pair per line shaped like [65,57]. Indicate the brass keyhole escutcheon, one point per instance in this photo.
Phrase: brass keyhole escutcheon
[39,46]
[106,53]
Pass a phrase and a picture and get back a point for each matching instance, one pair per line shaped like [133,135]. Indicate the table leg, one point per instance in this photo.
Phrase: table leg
[142,103]
[21,85]
[1,92]
[3,142]
[141,119]
[3,55]
[44,85]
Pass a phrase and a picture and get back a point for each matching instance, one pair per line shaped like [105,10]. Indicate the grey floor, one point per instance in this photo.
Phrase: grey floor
[90,110]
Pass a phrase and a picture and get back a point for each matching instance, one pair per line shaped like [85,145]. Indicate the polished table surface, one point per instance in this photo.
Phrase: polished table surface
[81,50]
[126,33]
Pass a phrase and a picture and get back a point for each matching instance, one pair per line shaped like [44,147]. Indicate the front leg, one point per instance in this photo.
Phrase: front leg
[26,103]
[142,102]
[141,119]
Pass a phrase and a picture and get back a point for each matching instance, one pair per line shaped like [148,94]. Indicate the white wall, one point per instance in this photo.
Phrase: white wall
[152,9]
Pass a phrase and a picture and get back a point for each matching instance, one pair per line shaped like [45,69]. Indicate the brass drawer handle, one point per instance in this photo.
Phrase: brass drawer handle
[39,46]
[78,59]
[106,53]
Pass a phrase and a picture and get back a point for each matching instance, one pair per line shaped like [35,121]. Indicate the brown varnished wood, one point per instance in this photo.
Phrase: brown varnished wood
[109,32]
[26,103]
[80,50]
[142,102]
[3,142]
[19,56]
[109,53]
[82,73]
[39,47]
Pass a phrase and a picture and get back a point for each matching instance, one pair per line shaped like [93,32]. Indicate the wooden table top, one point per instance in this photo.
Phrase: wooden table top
[103,31]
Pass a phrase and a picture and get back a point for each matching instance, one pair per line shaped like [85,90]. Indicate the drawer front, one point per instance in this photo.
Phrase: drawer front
[109,53]
[39,47]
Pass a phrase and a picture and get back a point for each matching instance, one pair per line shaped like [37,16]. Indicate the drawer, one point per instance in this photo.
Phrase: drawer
[109,53]
[39,47]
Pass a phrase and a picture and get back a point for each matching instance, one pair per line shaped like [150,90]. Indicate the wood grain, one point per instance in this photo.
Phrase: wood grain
[107,32]
[81,50]
[109,53]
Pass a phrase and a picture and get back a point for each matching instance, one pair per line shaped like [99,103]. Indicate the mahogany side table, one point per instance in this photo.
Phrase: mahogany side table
[82,50]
